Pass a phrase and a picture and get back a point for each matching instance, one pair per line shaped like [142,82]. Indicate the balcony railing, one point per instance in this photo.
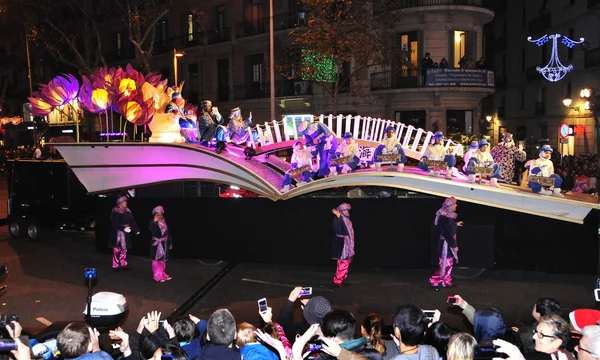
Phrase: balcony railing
[282,89]
[218,36]
[540,108]
[592,57]
[280,22]
[413,78]
[406,4]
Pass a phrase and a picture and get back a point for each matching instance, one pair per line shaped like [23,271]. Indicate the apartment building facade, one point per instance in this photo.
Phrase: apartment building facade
[527,104]
[228,62]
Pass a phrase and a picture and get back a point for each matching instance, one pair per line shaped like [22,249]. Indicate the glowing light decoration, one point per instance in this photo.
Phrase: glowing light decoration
[554,71]
[317,67]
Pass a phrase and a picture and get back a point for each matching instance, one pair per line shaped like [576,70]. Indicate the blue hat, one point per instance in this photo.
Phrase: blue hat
[297,143]
[438,135]
[175,95]
[546,148]
[390,128]
[474,145]
[482,142]
[348,135]
[206,102]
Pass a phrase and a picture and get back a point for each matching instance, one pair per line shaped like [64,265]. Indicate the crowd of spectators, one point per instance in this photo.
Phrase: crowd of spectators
[327,333]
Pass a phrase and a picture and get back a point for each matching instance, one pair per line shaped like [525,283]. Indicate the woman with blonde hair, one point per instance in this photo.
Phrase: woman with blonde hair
[371,330]
[461,347]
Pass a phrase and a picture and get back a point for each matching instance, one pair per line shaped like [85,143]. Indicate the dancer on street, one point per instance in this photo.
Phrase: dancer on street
[161,244]
[445,221]
[122,223]
[343,243]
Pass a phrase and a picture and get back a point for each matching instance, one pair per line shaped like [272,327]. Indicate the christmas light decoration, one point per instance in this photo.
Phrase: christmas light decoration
[318,67]
[554,71]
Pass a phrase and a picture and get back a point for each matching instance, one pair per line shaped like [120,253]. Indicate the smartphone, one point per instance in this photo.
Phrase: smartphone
[161,323]
[316,345]
[451,300]
[429,313]
[306,291]
[90,273]
[487,352]
[262,305]
[597,294]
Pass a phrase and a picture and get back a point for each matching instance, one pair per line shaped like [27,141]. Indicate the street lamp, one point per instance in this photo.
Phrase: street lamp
[567,103]
[176,55]
[488,118]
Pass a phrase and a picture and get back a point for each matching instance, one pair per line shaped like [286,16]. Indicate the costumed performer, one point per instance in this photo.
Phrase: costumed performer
[239,130]
[122,223]
[389,145]
[472,148]
[437,152]
[187,118]
[348,147]
[210,125]
[446,224]
[343,243]
[482,158]
[318,136]
[505,154]
[300,158]
[543,167]
[161,244]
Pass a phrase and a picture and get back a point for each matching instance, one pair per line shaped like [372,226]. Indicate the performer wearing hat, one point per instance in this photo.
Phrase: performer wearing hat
[122,223]
[343,243]
[348,147]
[472,148]
[210,126]
[446,224]
[319,136]
[482,158]
[239,129]
[505,154]
[161,244]
[300,158]
[187,118]
[437,152]
[389,145]
[543,167]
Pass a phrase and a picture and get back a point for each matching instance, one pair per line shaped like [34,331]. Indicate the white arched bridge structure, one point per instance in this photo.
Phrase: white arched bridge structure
[106,167]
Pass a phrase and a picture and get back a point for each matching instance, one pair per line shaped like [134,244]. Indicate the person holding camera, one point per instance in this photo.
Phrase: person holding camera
[161,244]
[122,223]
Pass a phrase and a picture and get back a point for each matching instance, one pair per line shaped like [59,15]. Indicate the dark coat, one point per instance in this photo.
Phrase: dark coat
[338,241]
[119,221]
[447,229]
[156,233]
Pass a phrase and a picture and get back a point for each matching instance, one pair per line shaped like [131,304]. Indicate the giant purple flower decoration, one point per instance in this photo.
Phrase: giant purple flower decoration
[60,90]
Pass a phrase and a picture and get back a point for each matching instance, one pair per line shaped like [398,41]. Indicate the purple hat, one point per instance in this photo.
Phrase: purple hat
[315,309]
[348,135]
[158,209]
[449,202]
[121,200]
[390,128]
[344,206]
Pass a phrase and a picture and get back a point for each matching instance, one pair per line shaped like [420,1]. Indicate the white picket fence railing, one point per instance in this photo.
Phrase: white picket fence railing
[364,128]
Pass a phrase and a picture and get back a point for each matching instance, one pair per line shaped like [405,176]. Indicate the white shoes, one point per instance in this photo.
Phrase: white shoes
[449,174]
[346,169]
[378,166]
[494,182]
[545,192]
[285,188]
[333,171]
[400,168]
[472,178]
[556,192]
[433,173]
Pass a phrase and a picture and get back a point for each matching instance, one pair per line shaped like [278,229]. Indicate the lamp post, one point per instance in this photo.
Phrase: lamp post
[176,55]
[271,60]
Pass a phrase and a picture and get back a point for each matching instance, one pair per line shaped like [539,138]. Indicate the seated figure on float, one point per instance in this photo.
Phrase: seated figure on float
[391,149]
[506,153]
[347,156]
[482,163]
[542,179]
[467,156]
[187,118]
[301,165]
[210,125]
[436,159]
[240,131]
[322,141]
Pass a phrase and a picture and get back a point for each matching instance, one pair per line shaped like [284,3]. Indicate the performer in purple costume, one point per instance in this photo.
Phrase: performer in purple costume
[343,243]
[445,221]
[161,244]
[122,223]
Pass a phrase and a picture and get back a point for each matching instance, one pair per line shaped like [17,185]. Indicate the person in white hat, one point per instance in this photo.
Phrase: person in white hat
[437,152]
[482,158]
[348,147]
[389,145]
[122,224]
[543,167]
[472,148]
[505,154]
[240,131]
[161,244]
[300,158]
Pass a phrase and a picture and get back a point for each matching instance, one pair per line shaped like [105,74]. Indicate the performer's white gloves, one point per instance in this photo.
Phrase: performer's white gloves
[127,230]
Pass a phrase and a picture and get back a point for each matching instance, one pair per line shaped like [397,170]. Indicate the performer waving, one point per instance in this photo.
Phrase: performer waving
[161,244]
[318,136]
[122,223]
[343,243]
[446,224]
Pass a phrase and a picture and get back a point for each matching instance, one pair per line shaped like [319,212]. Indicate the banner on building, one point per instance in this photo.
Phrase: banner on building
[459,77]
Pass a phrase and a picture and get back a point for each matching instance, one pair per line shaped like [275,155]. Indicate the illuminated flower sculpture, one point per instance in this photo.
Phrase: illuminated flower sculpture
[39,107]
[60,91]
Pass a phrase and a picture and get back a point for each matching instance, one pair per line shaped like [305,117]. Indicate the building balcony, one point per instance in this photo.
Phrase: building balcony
[282,89]
[407,4]
[501,113]
[280,22]
[217,36]
[540,108]
[500,43]
[435,78]
[533,74]
[540,25]
[500,82]
[592,57]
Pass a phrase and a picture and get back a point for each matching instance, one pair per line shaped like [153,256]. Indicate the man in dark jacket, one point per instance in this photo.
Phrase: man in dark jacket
[314,309]
[220,332]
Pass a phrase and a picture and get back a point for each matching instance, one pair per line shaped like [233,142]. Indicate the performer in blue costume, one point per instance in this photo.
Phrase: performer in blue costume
[348,147]
[482,158]
[437,152]
[389,145]
[300,158]
[544,168]
[210,125]
[187,118]
[324,141]
[240,130]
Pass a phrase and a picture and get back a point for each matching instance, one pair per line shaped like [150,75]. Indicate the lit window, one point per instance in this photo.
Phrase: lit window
[190,27]
[460,46]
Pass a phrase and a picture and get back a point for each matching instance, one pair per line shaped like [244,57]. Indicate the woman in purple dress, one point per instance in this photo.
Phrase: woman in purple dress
[445,221]
[161,244]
